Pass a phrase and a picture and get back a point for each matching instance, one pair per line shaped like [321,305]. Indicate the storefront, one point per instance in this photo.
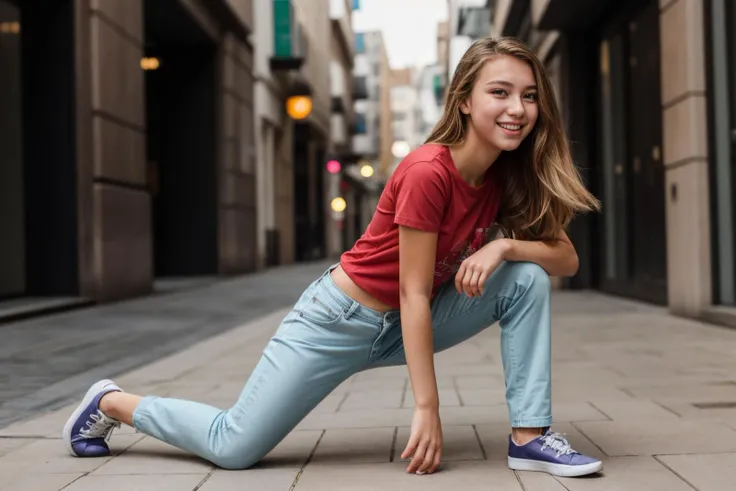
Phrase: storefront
[604,61]
[632,178]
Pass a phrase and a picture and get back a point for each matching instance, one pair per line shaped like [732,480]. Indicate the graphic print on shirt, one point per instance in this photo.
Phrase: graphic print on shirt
[463,250]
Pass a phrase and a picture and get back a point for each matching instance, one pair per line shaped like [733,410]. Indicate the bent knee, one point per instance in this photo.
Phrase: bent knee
[532,277]
[235,457]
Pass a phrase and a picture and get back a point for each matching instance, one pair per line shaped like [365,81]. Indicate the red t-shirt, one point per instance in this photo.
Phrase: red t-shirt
[425,192]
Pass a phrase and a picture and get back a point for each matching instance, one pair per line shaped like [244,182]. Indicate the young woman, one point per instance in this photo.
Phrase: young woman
[425,276]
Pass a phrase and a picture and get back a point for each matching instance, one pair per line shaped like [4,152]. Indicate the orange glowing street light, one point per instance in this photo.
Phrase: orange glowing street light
[299,106]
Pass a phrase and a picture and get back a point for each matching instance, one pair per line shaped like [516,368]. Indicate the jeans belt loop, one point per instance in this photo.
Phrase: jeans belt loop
[351,310]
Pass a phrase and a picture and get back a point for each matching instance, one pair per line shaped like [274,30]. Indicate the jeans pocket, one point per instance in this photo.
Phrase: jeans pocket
[320,312]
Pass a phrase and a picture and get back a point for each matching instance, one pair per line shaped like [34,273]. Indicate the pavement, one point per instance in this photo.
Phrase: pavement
[652,395]
[44,359]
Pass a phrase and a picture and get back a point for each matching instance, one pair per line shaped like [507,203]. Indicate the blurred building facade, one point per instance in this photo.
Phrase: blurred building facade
[647,93]
[404,114]
[310,52]
[372,73]
[366,163]
[311,137]
[151,140]
[273,130]
[342,127]
[130,152]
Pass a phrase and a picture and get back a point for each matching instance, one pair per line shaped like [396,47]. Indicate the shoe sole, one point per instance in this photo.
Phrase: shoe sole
[66,435]
[560,470]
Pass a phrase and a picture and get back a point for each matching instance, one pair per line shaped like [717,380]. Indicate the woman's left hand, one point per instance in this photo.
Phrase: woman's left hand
[475,270]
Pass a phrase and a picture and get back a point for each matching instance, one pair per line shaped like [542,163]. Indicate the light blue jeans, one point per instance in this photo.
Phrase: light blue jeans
[327,337]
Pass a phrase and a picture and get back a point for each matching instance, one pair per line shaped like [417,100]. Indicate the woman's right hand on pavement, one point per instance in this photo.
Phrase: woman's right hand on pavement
[425,441]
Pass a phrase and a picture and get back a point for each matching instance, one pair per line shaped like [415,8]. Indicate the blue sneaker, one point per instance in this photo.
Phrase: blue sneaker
[551,453]
[87,430]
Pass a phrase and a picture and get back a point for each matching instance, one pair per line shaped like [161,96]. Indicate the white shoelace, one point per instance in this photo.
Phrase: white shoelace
[557,442]
[99,426]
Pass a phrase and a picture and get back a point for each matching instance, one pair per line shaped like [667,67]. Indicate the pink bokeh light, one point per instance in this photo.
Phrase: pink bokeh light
[333,166]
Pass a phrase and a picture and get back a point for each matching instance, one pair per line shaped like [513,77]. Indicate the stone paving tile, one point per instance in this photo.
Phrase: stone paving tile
[458,443]
[492,382]
[569,391]
[659,437]
[355,446]
[576,411]
[448,397]
[373,399]
[363,418]
[46,425]
[634,410]
[150,482]
[330,404]
[150,456]
[251,480]
[538,481]
[8,445]
[381,374]
[371,418]
[482,397]
[694,393]
[468,476]
[711,472]
[623,474]
[688,412]
[36,482]
[47,457]
[384,383]
[293,451]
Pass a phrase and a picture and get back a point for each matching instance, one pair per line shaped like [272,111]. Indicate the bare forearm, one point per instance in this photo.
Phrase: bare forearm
[556,257]
[416,328]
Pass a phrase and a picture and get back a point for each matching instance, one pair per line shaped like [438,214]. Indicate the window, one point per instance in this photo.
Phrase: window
[439,88]
[359,42]
[360,124]
[360,88]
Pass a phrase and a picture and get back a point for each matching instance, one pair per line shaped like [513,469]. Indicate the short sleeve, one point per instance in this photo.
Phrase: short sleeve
[421,197]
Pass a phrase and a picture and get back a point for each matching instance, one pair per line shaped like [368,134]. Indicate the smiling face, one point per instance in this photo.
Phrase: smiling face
[502,108]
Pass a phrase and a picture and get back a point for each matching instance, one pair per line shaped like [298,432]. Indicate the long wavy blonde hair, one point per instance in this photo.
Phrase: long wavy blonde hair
[542,187]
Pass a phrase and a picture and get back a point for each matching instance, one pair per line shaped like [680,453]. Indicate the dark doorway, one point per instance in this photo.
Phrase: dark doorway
[12,215]
[309,209]
[649,261]
[634,261]
[38,191]
[721,60]
[181,115]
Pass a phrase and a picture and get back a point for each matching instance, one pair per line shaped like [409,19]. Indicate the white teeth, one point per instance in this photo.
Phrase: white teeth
[511,127]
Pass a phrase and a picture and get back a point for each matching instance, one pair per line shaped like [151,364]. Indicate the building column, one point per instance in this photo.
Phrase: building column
[112,125]
[237,196]
[685,143]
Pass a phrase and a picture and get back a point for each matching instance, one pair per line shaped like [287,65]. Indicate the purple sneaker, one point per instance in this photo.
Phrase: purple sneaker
[551,453]
[87,430]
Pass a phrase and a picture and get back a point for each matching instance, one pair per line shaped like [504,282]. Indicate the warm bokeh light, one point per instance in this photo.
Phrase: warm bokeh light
[366,170]
[400,149]
[338,204]
[150,63]
[298,106]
